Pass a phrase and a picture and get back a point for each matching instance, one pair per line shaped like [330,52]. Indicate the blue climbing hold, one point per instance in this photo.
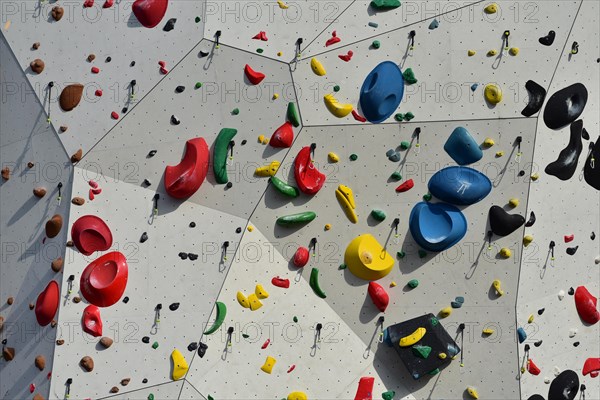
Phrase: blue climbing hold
[474,87]
[381,92]
[459,185]
[434,24]
[522,335]
[462,147]
[437,226]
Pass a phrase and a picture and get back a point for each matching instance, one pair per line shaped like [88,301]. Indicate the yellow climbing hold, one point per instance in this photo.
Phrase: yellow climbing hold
[393,284]
[513,202]
[367,259]
[260,292]
[243,300]
[492,52]
[471,53]
[250,228]
[279,53]
[275,96]
[346,198]
[499,153]
[335,107]
[282,5]
[268,365]
[413,338]
[333,157]
[445,312]
[180,366]
[254,302]
[488,331]
[261,138]
[297,396]
[472,392]
[497,286]
[265,140]
[530,319]
[327,227]
[491,8]
[489,142]
[527,239]
[442,356]
[268,170]
[493,93]
[514,51]
[535,176]
[505,252]
[317,67]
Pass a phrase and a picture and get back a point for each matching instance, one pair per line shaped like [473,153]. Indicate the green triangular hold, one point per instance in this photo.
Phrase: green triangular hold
[151,396]
[389,395]
[396,175]
[409,76]
[434,372]
[292,114]
[427,196]
[400,254]
[421,351]
[434,321]
[385,4]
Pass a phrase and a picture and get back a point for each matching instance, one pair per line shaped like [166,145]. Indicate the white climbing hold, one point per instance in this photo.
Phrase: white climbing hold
[561,295]
[597,260]
[556,371]
[546,380]
[572,332]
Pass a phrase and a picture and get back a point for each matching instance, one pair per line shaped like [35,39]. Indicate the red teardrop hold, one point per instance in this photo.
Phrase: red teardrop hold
[108,3]
[91,321]
[47,304]
[150,12]
[185,178]
[104,280]
[253,76]
[532,368]
[309,179]
[283,136]
[586,305]
[301,257]
[591,366]
[88,3]
[379,296]
[90,233]
[406,186]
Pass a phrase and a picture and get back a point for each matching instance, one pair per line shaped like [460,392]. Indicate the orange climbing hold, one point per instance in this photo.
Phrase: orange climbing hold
[253,76]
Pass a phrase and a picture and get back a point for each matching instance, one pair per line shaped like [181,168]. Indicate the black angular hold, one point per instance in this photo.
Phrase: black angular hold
[183,255]
[192,224]
[244,142]
[565,386]
[537,94]
[132,64]
[202,347]
[565,106]
[591,170]
[229,185]
[571,291]
[203,53]
[531,220]
[144,237]
[175,120]
[572,250]
[125,299]
[239,230]
[503,223]
[576,344]
[144,380]
[565,165]
[180,89]
[585,134]
[152,153]
[146,339]
[593,236]
[147,182]
[538,343]
[124,110]
[192,346]
[173,306]
[192,256]
[170,25]
[548,39]
[108,59]
[541,311]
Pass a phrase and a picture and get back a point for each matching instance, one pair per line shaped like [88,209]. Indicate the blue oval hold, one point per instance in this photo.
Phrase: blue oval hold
[437,226]
[459,185]
[462,147]
[381,92]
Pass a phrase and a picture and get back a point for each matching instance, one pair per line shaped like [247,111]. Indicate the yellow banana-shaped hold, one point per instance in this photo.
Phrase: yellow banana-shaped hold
[282,5]
[346,198]
[497,285]
[488,331]
[530,319]
[317,67]
[472,392]
[243,300]
[335,107]
[413,338]
[260,292]
[268,170]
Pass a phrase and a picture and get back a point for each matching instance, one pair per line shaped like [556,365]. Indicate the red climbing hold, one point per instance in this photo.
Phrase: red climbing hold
[162,63]
[586,305]
[163,70]
[92,324]
[31,387]
[379,296]
[96,190]
[108,3]
[92,197]
[309,179]
[98,92]
[333,39]
[185,178]
[265,344]
[114,115]
[47,304]
[283,136]
[301,257]
[293,367]
[90,234]
[592,367]
[406,186]
[150,12]
[262,35]
[365,388]
[346,57]
[532,368]
[569,238]
[253,76]
[280,282]
[88,3]
[358,117]
[104,280]
[95,70]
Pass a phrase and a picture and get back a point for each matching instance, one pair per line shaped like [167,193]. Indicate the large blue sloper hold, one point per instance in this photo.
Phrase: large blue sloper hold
[462,147]
[459,185]
[381,92]
[437,226]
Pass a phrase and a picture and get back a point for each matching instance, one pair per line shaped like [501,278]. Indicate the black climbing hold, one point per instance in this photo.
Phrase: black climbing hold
[175,120]
[173,306]
[152,153]
[144,380]
[229,185]
[541,311]
[593,236]
[144,237]
[521,173]
[69,381]
[565,165]
[4,341]
[51,84]
[591,169]
[537,94]
[192,224]
[158,307]
[170,25]
[585,135]
[71,277]
[132,64]
[503,223]
[536,397]
[124,110]
[565,106]
[238,230]
[244,142]
[527,347]
[108,59]
[133,83]
[531,220]
[565,386]
[147,182]
[183,255]
[146,339]
[576,344]
[572,250]
[125,299]
[582,387]
[571,291]
[548,39]
[203,53]
[202,349]
[230,330]
[538,343]
[319,326]
[192,346]
[461,327]
[192,256]
[180,89]
[574,48]
[226,244]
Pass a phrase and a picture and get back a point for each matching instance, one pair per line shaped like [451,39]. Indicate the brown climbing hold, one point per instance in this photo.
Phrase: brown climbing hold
[37,65]
[36,45]
[57,264]
[87,363]
[57,12]
[39,192]
[78,201]
[70,243]
[125,381]
[60,342]
[54,225]
[91,57]
[76,299]
[10,301]
[8,353]
[53,323]
[70,96]
[77,156]
[6,173]
[63,128]
[38,397]
[1,323]
[30,164]
[106,342]
[114,389]
[40,362]
[31,306]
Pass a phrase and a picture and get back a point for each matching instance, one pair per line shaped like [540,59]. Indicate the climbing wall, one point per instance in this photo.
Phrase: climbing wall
[148,91]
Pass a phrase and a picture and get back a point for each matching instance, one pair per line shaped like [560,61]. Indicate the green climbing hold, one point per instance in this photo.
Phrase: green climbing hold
[408,116]
[409,76]
[413,283]
[353,157]
[259,50]
[373,24]
[434,372]
[150,396]
[336,88]
[198,85]
[245,335]
[295,319]
[434,321]
[197,19]
[235,111]
[399,117]
[284,188]
[404,145]
[292,114]
[421,351]
[400,254]
[385,4]
[422,254]
[427,196]
[376,44]
[293,219]
[220,153]
[378,215]
[389,395]
[155,345]
[396,175]
[460,299]
[342,266]
[210,397]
